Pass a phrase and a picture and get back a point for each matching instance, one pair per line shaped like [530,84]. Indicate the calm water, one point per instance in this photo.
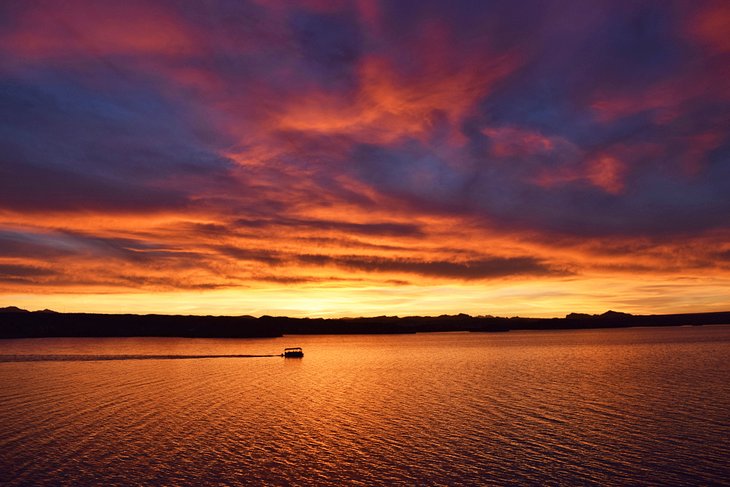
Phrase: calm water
[635,406]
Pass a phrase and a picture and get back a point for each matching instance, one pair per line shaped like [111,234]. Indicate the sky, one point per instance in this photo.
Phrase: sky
[365,158]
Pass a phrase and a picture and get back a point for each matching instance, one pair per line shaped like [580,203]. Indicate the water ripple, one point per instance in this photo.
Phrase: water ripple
[612,407]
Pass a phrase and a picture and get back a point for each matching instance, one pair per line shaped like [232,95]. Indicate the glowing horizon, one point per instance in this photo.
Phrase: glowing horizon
[365,158]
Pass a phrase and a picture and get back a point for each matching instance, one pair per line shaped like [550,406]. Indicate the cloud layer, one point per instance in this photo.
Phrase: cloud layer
[168,146]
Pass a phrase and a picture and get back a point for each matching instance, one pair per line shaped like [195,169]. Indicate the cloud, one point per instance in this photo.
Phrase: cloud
[14,243]
[66,146]
[256,255]
[485,268]
[383,228]
[436,111]
[10,271]
[220,144]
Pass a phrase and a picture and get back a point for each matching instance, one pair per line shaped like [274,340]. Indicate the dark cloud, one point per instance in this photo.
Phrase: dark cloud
[257,255]
[125,249]
[723,256]
[485,268]
[67,146]
[64,244]
[147,281]
[330,43]
[392,229]
[26,187]
[23,244]
[9,271]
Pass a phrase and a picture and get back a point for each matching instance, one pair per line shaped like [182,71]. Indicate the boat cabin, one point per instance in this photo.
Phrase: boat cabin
[293,352]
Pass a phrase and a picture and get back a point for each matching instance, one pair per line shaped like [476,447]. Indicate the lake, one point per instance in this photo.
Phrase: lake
[618,407]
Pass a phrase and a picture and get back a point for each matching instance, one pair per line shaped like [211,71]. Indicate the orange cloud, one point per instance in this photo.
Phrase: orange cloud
[388,106]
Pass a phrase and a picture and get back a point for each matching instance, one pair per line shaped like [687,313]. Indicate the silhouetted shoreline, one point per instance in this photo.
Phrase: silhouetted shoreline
[17,323]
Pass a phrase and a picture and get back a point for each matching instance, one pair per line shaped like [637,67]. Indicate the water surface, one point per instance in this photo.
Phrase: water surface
[632,406]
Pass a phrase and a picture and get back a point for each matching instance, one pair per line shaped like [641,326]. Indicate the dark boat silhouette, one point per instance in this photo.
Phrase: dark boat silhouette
[293,352]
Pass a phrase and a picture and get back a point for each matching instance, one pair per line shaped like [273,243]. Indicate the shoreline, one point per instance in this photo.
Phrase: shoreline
[44,324]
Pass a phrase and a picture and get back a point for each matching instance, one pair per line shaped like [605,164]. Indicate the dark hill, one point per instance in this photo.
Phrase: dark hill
[13,309]
[44,324]
[23,324]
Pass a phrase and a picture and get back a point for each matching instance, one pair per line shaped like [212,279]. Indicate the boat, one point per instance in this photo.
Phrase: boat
[293,352]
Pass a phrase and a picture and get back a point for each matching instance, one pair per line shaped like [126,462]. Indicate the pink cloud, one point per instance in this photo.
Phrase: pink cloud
[55,30]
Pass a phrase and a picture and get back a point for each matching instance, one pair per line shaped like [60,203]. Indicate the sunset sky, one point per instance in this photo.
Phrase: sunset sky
[328,158]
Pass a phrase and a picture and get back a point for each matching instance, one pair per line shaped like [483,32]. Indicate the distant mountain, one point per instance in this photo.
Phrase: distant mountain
[610,314]
[578,316]
[13,309]
[615,314]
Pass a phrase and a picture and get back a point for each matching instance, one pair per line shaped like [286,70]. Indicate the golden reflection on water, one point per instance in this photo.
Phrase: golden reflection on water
[603,406]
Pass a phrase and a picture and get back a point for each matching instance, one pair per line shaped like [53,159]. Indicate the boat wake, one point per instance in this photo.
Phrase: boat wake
[95,358]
